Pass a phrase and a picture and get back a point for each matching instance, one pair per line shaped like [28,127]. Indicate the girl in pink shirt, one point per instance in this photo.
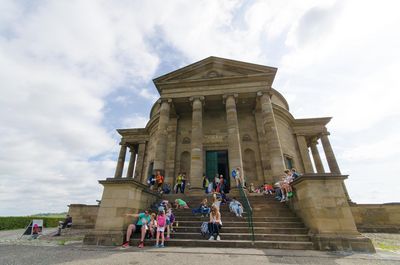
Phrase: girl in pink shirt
[161,223]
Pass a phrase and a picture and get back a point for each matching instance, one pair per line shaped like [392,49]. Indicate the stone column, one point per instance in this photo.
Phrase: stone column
[139,176]
[132,160]
[121,161]
[305,156]
[271,132]
[317,159]
[234,148]
[330,156]
[161,146]
[196,161]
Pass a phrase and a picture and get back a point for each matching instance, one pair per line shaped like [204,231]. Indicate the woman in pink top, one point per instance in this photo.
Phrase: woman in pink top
[161,223]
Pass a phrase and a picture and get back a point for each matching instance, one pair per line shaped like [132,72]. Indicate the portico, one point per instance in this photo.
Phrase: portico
[218,104]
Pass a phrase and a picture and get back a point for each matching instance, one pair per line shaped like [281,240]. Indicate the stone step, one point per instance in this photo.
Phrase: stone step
[223,210]
[247,236]
[230,244]
[245,229]
[241,223]
[270,214]
[198,217]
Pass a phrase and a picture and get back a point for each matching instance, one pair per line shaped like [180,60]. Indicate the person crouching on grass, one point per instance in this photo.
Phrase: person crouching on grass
[161,223]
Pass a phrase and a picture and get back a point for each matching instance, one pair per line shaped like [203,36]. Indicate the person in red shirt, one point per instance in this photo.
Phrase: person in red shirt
[159,180]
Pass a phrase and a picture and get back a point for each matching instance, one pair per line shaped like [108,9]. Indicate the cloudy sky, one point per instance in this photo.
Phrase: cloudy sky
[71,72]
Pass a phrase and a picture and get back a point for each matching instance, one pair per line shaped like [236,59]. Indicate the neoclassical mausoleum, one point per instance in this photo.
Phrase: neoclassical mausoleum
[216,115]
[219,114]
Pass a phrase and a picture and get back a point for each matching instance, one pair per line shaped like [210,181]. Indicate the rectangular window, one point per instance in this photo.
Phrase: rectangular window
[289,162]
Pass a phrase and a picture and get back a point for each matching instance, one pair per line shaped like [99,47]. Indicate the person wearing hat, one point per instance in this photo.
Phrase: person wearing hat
[140,227]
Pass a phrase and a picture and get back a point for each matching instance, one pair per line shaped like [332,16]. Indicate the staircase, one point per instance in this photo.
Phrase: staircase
[275,226]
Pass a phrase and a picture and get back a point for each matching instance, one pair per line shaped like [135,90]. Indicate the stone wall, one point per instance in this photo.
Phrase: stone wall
[120,197]
[321,202]
[83,216]
[381,218]
[288,142]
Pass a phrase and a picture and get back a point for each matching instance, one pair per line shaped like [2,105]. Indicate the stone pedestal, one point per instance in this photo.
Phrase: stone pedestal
[120,196]
[321,202]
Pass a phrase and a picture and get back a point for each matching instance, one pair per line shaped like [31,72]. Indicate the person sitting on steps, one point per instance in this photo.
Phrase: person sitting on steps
[140,227]
[236,207]
[215,223]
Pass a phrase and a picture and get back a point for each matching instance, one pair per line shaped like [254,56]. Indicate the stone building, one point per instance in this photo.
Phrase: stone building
[216,115]
[219,114]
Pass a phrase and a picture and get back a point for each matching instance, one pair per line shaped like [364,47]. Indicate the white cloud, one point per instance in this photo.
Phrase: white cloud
[59,61]
[135,121]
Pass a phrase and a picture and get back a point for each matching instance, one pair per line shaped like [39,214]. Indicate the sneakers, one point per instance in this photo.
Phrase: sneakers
[161,246]
[218,238]
[141,245]
[125,245]
[156,246]
[211,238]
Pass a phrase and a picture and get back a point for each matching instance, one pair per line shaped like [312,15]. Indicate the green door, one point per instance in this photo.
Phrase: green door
[211,164]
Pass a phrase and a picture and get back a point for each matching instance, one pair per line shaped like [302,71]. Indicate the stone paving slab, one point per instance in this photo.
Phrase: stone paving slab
[48,250]
[78,254]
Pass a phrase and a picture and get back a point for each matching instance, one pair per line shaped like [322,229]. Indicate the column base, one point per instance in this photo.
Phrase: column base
[343,243]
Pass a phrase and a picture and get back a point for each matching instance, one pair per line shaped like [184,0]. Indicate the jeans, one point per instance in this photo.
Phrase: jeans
[202,210]
[179,187]
[213,229]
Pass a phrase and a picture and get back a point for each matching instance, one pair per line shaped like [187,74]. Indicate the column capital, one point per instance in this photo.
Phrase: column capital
[132,148]
[226,96]
[123,143]
[325,132]
[261,93]
[163,100]
[314,140]
[200,98]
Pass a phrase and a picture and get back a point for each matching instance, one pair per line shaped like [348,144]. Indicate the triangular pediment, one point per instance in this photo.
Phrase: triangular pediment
[215,68]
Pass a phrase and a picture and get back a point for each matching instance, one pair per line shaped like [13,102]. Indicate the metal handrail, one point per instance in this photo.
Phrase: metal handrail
[248,210]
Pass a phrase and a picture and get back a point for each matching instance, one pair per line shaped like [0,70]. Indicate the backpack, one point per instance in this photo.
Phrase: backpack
[204,229]
[166,189]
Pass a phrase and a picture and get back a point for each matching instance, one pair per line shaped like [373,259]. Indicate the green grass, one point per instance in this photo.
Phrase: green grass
[16,222]
[385,246]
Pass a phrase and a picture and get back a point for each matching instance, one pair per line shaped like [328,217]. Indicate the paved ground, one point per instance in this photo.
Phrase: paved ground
[69,250]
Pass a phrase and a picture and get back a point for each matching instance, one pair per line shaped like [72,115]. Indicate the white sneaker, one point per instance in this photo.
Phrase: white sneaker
[211,238]
[218,238]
